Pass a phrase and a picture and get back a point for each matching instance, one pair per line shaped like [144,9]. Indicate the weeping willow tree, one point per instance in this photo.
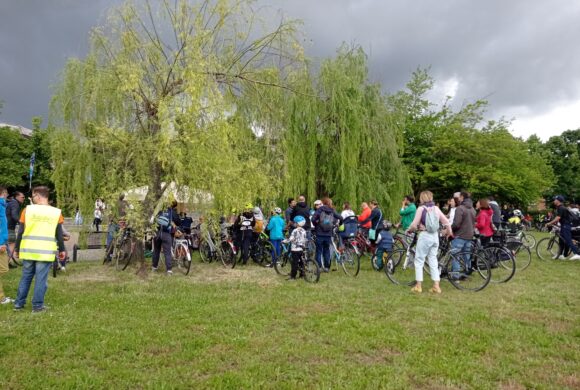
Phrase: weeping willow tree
[155,102]
[340,138]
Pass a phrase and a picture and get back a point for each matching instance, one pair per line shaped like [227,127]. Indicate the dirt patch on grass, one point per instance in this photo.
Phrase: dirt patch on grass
[570,381]
[511,385]
[378,356]
[93,274]
[264,277]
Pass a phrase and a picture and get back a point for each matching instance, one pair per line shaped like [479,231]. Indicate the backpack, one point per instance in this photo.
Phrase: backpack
[574,217]
[431,221]
[164,220]
[326,221]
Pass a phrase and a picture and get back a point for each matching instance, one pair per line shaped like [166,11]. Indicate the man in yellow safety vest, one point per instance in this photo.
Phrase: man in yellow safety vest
[39,241]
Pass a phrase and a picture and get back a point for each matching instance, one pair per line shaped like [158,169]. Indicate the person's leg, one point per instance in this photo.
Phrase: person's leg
[326,251]
[294,265]
[319,252]
[433,263]
[379,256]
[3,271]
[41,283]
[156,250]
[167,242]
[246,242]
[456,245]
[276,251]
[566,234]
[28,270]
[421,251]
[467,249]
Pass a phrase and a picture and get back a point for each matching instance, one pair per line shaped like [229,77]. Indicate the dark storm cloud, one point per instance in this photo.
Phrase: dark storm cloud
[514,53]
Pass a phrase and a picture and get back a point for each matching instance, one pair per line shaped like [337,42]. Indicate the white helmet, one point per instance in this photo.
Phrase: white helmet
[517,213]
[277,210]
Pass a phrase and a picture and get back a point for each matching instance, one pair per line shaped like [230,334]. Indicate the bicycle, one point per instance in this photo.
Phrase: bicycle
[307,267]
[516,232]
[208,250]
[180,252]
[121,249]
[548,248]
[282,263]
[227,250]
[261,250]
[348,259]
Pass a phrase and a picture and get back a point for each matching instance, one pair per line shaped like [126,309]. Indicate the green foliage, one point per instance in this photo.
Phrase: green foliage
[445,151]
[340,140]
[563,154]
[155,102]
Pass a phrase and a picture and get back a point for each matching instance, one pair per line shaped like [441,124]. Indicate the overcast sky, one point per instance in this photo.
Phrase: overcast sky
[523,56]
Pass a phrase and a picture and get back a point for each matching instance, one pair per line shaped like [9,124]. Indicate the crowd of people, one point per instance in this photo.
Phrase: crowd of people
[35,234]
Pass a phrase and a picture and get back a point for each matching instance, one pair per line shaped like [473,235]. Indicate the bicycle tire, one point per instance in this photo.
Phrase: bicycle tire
[463,277]
[502,262]
[205,252]
[528,240]
[547,248]
[123,255]
[182,259]
[350,262]
[523,257]
[227,255]
[400,268]
[283,264]
[311,271]
[109,252]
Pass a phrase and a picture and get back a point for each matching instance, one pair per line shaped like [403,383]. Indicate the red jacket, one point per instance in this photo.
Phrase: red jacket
[483,222]
[365,214]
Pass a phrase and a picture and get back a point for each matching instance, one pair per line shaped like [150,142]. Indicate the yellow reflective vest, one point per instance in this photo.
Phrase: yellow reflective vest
[38,240]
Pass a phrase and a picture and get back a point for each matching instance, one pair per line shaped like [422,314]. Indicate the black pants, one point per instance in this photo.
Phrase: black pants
[163,240]
[97,222]
[247,238]
[566,244]
[296,259]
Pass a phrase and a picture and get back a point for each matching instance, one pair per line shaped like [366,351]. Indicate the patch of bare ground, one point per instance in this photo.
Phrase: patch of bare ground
[570,381]
[264,277]
[94,274]
[511,385]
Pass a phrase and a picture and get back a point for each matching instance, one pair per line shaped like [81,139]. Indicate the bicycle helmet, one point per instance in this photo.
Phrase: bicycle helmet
[299,220]
[277,210]
[249,206]
[517,213]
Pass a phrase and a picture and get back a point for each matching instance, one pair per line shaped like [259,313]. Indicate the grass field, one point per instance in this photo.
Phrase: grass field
[249,328]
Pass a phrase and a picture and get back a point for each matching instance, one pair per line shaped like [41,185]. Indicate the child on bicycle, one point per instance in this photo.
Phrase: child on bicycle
[384,243]
[298,243]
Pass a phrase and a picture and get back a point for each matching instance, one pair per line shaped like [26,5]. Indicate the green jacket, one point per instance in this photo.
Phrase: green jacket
[408,214]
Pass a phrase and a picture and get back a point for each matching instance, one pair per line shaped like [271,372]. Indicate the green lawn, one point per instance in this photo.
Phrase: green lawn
[249,328]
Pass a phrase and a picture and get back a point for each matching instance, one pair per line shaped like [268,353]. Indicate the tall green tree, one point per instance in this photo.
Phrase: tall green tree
[156,101]
[563,154]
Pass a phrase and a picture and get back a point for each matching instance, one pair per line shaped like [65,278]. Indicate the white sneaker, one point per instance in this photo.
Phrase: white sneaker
[170,272]
[6,300]
[575,257]
[154,269]
[63,269]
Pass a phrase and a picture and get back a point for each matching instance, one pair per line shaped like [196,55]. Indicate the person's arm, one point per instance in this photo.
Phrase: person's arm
[405,211]
[339,217]
[14,211]
[416,221]
[458,219]
[553,222]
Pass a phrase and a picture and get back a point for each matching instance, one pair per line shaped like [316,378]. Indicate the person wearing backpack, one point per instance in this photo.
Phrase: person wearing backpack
[245,223]
[325,219]
[426,222]
[566,220]
[167,220]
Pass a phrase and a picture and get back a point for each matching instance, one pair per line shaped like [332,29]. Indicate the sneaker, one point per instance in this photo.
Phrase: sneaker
[63,269]
[18,308]
[269,265]
[153,269]
[6,300]
[11,265]
[169,273]
[40,309]
[575,257]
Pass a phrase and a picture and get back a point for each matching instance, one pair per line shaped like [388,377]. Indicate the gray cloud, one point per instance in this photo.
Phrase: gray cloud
[514,53]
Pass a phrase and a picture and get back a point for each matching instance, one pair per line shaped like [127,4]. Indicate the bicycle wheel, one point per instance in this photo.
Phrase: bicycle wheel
[109,252]
[311,271]
[227,255]
[350,262]
[522,254]
[54,268]
[262,252]
[547,248]
[122,255]
[400,267]
[205,252]
[282,264]
[502,262]
[182,259]
[399,243]
[467,271]
[528,240]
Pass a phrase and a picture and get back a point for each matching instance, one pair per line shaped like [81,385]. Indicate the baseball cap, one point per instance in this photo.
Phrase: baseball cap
[559,198]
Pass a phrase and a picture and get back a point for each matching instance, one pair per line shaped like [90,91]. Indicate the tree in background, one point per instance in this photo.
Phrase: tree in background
[563,154]
[445,151]
[156,102]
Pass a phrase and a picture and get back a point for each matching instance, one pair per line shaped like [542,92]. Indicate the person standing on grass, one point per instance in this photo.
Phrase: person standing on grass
[276,228]
[298,241]
[288,213]
[39,240]
[325,219]
[13,209]
[484,221]
[496,212]
[302,209]
[426,222]
[3,244]
[245,224]
[168,220]
[463,230]
[364,216]
[407,212]
[564,218]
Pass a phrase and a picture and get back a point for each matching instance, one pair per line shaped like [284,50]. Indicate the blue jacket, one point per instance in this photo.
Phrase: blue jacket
[3,222]
[276,227]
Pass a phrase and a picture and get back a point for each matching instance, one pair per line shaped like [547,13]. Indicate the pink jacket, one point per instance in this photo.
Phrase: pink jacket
[483,222]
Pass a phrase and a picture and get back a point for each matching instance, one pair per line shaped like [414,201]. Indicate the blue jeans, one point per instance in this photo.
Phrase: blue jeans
[461,245]
[30,269]
[112,229]
[277,249]
[323,250]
